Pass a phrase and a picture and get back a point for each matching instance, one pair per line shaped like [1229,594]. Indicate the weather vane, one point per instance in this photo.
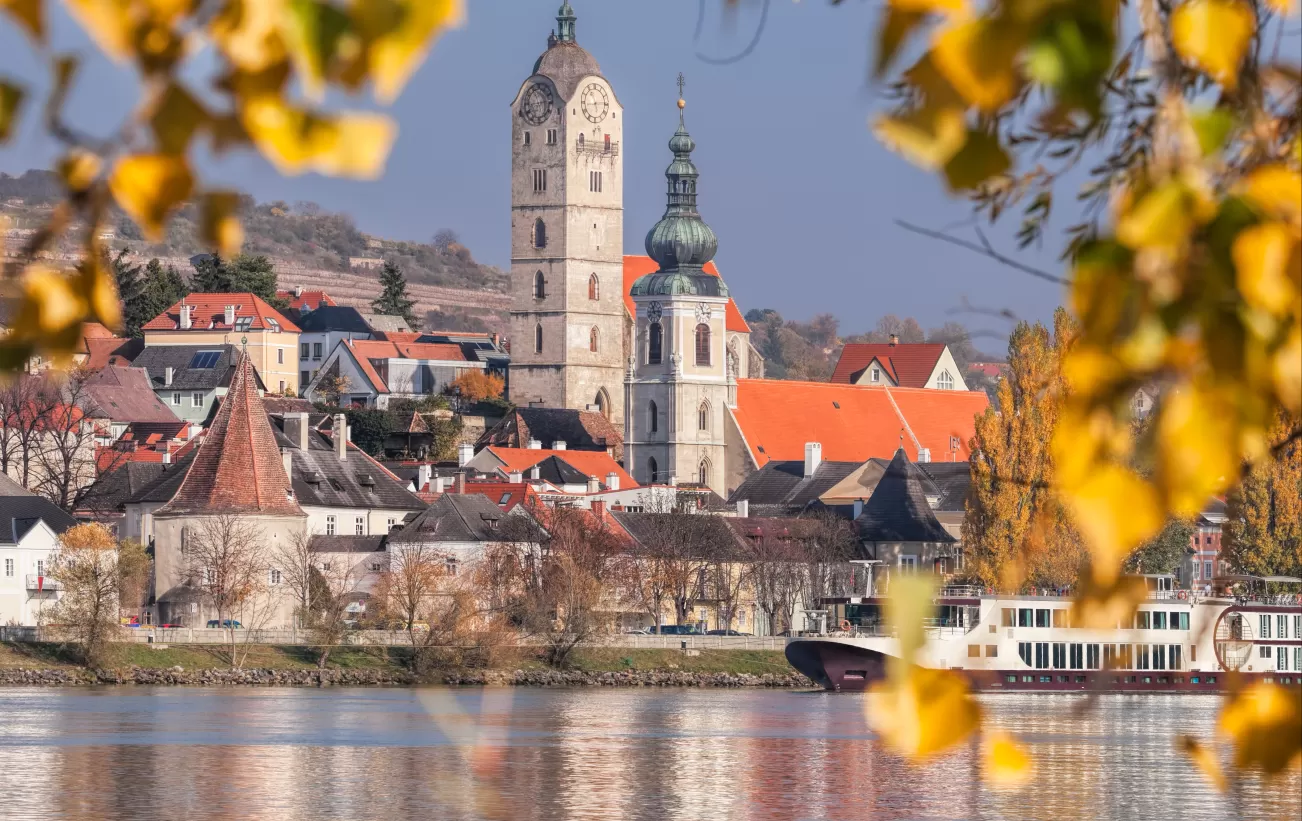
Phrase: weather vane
[682,81]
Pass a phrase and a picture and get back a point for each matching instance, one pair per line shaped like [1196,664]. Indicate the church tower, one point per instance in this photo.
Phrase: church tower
[567,228]
[680,375]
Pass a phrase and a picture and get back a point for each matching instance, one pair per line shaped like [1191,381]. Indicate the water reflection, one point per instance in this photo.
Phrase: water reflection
[545,755]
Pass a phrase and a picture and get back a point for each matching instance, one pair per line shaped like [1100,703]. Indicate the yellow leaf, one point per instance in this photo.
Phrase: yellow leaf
[1103,604]
[1265,725]
[1263,255]
[1163,218]
[892,32]
[11,97]
[1288,370]
[294,140]
[149,186]
[220,223]
[981,157]
[930,6]
[100,290]
[312,30]
[1277,191]
[978,58]
[398,34]
[928,137]
[1213,35]
[79,168]
[1197,441]
[109,23]
[30,14]
[51,305]
[927,713]
[1115,510]
[910,602]
[1205,760]
[1007,763]
[175,117]
[248,32]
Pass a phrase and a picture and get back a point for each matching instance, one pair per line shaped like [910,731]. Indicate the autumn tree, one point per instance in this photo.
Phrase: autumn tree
[332,387]
[777,574]
[323,586]
[96,573]
[393,299]
[1164,552]
[1262,534]
[477,385]
[228,560]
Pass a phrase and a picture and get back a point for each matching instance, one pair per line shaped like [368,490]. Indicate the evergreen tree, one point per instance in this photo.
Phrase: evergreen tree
[210,275]
[393,299]
[246,272]
[1263,531]
[131,289]
[1164,552]
[162,288]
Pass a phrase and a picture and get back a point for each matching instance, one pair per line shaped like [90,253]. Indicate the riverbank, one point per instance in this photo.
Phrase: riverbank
[270,665]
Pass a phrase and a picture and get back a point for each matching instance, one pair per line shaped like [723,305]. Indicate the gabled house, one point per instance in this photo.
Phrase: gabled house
[899,365]
[568,471]
[790,487]
[321,329]
[898,528]
[121,397]
[191,379]
[555,428]
[30,528]
[458,527]
[303,301]
[379,369]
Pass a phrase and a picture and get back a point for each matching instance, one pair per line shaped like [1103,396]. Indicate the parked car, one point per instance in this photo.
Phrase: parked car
[726,633]
[676,630]
[171,626]
[224,624]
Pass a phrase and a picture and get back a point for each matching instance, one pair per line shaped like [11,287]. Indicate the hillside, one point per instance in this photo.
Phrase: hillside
[309,247]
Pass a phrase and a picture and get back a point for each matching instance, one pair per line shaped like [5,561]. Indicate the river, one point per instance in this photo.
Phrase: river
[544,755]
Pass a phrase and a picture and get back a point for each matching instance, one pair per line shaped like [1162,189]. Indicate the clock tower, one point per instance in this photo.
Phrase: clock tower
[567,228]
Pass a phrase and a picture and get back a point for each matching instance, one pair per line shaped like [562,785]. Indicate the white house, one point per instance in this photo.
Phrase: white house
[899,365]
[29,537]
[378,369]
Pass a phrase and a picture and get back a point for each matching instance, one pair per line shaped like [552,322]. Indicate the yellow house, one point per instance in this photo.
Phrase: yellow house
[236,319]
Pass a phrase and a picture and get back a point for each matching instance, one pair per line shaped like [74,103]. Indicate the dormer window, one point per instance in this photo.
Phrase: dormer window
[243,323]
[876,374]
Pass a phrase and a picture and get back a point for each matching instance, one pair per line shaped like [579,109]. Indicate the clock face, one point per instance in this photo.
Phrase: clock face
[537,104]
[595,103]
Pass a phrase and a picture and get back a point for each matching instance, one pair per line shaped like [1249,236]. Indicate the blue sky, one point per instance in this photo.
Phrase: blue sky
[802,196]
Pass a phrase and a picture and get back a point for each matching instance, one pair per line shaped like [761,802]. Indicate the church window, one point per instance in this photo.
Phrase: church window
[592,339]
[703,416]
[551,136]
[652,418]
[945,382]
[539,286]
[594,288]
[653,470]
[702,344]
[539,234]
[603,402]
[539,181]
[703,472]
[655,344]
[537,338]
[580,141]
[607,142]
[527,137]
[594,181]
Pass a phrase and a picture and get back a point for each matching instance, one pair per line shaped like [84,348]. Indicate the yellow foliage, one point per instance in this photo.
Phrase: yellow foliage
[1115,509]
[97,283]
[1265,725]
[296,140]
[149,186]
[1265,261]
[29,14]
[981,157]
[1103,603]
[175,118]
[1276,190]
[1205,760]
[1198,446]
[978,57]
[110,23]
[248,33]
[1288,370]
[11,97]
[398,34]
[926,713]
[79,168]
[219,222]
[928,137]
[1213,35]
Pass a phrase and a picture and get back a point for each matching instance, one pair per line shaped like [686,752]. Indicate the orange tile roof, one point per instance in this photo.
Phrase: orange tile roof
[909,364]
[588,462]
[636,266]
[853,422]
[506,495]
[311,299]
[364,350]
[208,313]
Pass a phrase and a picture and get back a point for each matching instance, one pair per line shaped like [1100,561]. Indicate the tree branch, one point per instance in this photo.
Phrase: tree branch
[985,249]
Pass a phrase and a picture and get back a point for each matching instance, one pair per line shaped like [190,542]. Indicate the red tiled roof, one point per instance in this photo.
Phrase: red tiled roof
[636,266]
[208,313]
[588,462]
[992,369]
[109,458]
[311,299]
[125,395]
[853,422]
[238,468]
[909,364]
[506,495]
[364,350]
[94,330]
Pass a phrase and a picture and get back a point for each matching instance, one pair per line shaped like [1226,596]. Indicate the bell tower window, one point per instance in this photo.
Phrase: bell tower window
[655,344]
[703,472]
[539,180]
[653,470]
[539,234]
[537,338]
[594,288]
[592,339]
[703,416]
[703,344]
[539,286]
[652,418]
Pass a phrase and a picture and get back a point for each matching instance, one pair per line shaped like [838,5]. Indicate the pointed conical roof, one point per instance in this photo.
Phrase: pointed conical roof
[238,468]
[898,510]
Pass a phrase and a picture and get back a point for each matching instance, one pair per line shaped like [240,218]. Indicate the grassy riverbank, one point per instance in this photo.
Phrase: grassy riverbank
[396,660]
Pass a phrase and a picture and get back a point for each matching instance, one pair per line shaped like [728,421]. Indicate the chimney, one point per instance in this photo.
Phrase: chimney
[297,429]
[743,508]
[287,459]
[339,431]
[437,484]
[535,473]
[559,444]
[461,482]
[423,474]
[230,315]
[673,480]
[813,457]
[599,509]
[594,484]
[167,453]
[465,452]
[298,290]
[858,508]
[515,477]
[612,481]
[533,444]
[895,340]
[185,317]
[167,375]
[924,454]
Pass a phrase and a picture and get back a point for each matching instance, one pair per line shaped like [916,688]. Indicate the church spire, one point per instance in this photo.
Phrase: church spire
[565,23]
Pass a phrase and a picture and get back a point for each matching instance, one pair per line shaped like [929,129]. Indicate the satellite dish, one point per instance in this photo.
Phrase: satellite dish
[1233,640]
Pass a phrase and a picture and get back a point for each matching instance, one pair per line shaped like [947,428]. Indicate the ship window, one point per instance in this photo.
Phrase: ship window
[1143,620]
[1028,679]
[992,651]
[1179,621]
[974,651]
[1159,620]
[1024,616]
[1041,655]
[1011,679]
[1076,658]
[1009,617]
[1059,655]
[1281,626]
[1173,657]
[1193,652]
[1042,618]
[1159,656]
[1024,652]
[1092,656]
[1265,627]
[1142,661]
[1046,679]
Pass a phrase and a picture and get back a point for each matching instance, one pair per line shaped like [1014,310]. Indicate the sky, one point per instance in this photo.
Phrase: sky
[802,196]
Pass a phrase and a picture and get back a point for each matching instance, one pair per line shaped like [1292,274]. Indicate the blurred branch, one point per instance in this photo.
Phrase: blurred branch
[744,53]
[985,249]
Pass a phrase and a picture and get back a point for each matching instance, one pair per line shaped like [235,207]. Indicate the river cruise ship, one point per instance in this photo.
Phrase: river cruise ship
[1178,641]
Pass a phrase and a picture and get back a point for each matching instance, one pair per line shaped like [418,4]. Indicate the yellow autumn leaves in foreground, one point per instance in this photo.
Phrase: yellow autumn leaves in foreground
[275,61]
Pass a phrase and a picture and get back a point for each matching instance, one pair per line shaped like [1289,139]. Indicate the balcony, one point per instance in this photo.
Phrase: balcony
[610,148]
[35,582]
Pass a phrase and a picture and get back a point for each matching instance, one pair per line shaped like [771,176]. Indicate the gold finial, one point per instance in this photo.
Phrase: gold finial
[682,81]
[682,103]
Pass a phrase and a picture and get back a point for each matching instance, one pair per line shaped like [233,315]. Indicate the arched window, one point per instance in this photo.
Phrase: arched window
[539,234]
[702,344]
[703,416]
[607,142]
[603,402]
[945,382]
[703,472]
[594,288]
[580,140]
[592,339]
[539,286]
[652,418]
[653,472]
[655,344]
[537,338]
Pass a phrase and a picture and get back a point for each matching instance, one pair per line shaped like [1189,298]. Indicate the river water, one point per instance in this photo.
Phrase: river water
[544,755]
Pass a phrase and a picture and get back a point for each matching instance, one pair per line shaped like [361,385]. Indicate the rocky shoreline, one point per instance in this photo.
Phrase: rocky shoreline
[177,676]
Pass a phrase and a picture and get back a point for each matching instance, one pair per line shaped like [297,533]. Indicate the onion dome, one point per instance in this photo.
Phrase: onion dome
[565,62]
[681,242]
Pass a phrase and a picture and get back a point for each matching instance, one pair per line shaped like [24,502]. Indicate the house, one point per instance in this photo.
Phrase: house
[123,396]
[30,528]
[191,379]
[386,323]
[790,487]
[378,370]
[458,527]
[902,365]
[482,347]
[898,529]
[573,429]
[320,331]
[99,347]
[243,319]
[569,471]
[303,301]
[1204,562]
[945,485]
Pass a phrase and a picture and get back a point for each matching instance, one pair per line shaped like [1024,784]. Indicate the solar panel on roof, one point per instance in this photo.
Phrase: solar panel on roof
[205,359]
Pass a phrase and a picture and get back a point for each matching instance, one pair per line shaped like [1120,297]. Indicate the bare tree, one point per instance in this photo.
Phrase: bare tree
[95,573]
[407,589]
[228,561]
[676,548]
[323,588]
[778,575]
[66,463]
[445,238]
[25,403]
[828,543]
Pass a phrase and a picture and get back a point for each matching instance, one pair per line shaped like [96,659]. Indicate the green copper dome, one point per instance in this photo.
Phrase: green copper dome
[681,242]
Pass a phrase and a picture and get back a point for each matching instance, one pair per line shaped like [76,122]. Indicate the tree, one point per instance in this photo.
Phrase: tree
[254,274]
[1014,530]
[228,560]
[163,287]
[131,290]
[478,386]
[25,404]
[393,299]
[96,573]
[1263,531]
[1164,552]
[323,588]
[332,386]
[777,575]
[66,463]
[444,239]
